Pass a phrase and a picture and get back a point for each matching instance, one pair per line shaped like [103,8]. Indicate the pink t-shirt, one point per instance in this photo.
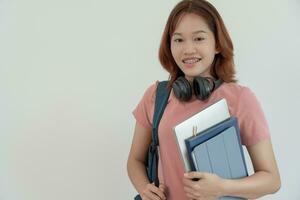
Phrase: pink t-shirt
[242,104]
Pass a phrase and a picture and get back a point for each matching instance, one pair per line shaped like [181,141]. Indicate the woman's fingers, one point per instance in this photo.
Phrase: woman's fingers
[158,192]
[151,196]
[152,192]
[163,188]
[198,175]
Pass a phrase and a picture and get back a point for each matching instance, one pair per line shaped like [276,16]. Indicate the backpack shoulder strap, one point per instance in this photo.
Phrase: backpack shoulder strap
[161,100]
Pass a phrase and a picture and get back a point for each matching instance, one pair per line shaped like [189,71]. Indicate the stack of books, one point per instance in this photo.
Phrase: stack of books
[210,142]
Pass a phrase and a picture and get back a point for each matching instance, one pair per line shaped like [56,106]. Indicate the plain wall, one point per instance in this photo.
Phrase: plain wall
[71,72]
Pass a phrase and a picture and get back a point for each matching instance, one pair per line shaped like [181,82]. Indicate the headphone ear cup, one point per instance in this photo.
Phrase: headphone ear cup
[182,89]
[202,87]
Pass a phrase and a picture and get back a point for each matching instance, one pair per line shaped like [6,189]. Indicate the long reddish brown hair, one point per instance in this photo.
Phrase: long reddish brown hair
[223,64]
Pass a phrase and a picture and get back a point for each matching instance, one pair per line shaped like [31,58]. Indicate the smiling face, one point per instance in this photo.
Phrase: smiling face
[193,46]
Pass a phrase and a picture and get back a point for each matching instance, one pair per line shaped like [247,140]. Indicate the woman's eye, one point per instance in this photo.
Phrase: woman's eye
[199,39]
[178,40]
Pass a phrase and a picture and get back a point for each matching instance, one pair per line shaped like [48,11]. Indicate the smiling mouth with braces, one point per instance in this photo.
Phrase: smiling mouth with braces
[191,61]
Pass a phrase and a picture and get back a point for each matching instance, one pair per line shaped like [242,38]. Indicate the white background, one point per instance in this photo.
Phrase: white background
[72,71]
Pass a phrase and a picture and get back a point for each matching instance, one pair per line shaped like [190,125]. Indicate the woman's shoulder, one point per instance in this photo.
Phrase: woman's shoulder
[234,86]
[240,97]
[237,95]
[150,92]
[237,89]
[152,87]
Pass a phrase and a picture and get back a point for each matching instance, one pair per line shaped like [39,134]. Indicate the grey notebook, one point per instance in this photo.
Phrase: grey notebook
[219,151]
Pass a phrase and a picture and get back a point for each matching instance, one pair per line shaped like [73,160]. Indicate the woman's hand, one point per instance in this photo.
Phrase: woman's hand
[208,186]
[151,192]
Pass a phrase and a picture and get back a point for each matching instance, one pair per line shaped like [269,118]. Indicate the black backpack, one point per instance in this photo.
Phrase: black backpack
[161,100]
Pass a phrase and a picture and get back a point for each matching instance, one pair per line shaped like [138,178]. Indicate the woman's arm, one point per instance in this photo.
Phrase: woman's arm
[136,165]
[136,159]
[265,180]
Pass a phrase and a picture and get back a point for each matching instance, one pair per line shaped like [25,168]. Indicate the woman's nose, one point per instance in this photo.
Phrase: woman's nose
[189,48]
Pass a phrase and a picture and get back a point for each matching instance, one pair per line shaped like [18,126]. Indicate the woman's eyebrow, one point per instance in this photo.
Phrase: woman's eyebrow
[195,32]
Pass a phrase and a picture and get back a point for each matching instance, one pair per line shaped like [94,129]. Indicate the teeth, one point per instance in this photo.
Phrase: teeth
[190,61]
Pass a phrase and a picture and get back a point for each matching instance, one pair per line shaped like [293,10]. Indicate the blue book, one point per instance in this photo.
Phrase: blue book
[218,150]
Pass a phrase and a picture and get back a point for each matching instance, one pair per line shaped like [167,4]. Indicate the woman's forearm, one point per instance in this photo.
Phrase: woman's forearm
[137,174]
[254,186]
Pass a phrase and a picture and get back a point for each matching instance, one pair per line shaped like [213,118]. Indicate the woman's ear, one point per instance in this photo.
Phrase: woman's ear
[217,49]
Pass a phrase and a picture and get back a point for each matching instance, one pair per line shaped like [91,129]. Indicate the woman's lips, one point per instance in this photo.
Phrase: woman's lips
[190,62]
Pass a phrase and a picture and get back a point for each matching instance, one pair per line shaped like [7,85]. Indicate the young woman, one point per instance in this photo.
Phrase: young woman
[195,44]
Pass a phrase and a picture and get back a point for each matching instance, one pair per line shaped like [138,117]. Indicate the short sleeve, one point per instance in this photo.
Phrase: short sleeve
[143,112]
[252,121]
